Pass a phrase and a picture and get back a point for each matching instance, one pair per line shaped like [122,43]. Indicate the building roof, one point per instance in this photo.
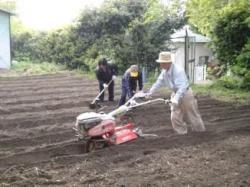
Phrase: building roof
[6,12]
[179,36]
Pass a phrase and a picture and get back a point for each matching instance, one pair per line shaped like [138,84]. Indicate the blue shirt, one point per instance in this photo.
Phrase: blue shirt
[175,79]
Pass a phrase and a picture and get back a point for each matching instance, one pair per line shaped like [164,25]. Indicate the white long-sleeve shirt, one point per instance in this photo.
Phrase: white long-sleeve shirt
[175,79]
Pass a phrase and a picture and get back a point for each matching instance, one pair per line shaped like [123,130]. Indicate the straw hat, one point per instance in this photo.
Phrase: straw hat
[164,57]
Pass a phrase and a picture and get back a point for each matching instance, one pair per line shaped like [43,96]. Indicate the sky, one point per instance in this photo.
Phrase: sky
[50,14]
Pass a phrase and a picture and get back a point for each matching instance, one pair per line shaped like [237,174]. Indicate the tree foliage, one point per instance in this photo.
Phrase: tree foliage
[125,31]
[230,34]
[227,22]
[203,14]
[16,24]
[8,5]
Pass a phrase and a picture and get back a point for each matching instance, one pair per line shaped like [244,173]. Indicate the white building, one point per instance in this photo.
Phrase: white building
[198,52]
[5,52]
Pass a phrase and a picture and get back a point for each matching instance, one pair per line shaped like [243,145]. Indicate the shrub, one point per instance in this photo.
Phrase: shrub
[246,81]
[231,82]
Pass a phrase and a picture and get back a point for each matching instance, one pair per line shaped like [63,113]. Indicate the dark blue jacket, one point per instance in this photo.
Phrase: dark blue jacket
[130,83]
[105,77]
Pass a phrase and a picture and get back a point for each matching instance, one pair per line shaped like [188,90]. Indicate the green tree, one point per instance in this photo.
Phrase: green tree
[231,33]
[231,40]
[9,5]
[16,24]
[126,31]
[203,14]
[129,31]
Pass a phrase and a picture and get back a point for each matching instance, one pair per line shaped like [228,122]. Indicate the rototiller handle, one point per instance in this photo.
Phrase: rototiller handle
[131,103]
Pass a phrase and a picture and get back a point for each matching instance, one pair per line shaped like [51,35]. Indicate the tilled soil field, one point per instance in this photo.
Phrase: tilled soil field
[38,146]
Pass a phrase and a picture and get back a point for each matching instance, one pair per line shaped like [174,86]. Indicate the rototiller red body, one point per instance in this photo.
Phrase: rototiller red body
[98,130]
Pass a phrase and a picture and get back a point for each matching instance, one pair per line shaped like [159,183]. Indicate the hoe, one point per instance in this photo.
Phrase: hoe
[94,104]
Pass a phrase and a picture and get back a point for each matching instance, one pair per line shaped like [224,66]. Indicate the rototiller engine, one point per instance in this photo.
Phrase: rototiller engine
[98,130]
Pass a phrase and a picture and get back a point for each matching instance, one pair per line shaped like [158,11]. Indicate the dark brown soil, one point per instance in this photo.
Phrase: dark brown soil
[38,146]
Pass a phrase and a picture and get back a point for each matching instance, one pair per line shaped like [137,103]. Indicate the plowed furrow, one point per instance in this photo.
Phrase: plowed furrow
[42,106]
[42,114]
[37,88]
[42,154]
[39,78]
[32,77]
[31,123]
[49,92]
[44,84]
[86,96]
[67,149]
[45,138]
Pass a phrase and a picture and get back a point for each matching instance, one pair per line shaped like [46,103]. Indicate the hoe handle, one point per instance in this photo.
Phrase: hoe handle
[101,92]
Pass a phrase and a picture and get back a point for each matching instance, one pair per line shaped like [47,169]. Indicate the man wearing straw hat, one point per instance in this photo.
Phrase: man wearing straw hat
[183,101]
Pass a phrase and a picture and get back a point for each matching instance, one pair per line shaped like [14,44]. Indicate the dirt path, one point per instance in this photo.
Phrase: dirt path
[38,147]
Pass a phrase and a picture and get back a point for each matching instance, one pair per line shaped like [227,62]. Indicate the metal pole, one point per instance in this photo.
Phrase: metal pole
[10,41]
[194,47]
[186,54]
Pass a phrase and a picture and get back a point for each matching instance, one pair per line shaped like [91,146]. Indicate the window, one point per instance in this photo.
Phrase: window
[203,60]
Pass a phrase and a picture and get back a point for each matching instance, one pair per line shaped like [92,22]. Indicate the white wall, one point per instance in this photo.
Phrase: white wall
[4,41]
[200,71]
[200,50]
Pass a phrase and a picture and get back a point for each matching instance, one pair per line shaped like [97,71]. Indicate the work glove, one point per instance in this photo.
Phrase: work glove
[114,77]
[173,104]
[140,94]
[148,95]
[174,101]
[105,85]
[133,103]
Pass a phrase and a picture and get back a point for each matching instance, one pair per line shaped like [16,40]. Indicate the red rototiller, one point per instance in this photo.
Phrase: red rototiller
[97,130]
